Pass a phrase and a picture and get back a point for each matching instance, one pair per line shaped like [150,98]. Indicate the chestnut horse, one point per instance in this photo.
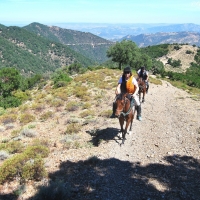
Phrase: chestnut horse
[124,111]
[142,89]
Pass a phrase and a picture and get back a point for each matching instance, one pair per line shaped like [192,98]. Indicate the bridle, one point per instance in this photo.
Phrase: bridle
[130,108]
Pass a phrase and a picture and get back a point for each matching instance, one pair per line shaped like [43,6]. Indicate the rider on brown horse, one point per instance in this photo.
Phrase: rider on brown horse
[127,83]
[142,73]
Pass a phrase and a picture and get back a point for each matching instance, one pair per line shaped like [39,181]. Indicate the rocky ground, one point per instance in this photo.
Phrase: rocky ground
[159,160]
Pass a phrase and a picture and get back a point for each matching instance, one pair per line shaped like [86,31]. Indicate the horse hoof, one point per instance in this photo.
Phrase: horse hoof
[120,135]
[130,132]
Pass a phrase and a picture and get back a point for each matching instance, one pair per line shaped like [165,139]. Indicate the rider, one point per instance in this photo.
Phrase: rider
[142,73]
[128,83]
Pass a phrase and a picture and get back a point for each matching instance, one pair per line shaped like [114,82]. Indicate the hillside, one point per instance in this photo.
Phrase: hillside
[33,54]
[85,43]
[86,161]
[143,40]
[181,55]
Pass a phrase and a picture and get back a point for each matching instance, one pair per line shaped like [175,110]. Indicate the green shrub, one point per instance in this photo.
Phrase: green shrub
[72,106]
[12,147]
[26,165]
[34,169]
[22,96]
[46,115]
[86,105]
[73,128]
[26,118]
[188,52]
[87,113]
[106,113]
[38,107]
[8,118]
[56,103]
[9,101]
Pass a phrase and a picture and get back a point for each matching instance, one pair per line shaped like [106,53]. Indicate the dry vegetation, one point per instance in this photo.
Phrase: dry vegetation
[180,54]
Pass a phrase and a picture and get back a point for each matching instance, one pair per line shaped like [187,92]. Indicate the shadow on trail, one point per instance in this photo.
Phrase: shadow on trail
[113,179]
[103,134]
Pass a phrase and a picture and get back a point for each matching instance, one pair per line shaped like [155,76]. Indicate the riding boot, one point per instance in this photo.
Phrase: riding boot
[139,110]
[147,87]
[114,110]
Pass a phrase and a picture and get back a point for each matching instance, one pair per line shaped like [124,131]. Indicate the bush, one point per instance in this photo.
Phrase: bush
[26,165]
[60,79]
[87,113]
[73,128]
[12,147]
[8,118]
[188,52]
[28,132]
[72,106]
[46,115]
[26,118]
[9,101]
[22,96]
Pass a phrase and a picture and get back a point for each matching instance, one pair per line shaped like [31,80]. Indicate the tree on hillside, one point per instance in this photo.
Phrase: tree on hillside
[9,81]
[124,52]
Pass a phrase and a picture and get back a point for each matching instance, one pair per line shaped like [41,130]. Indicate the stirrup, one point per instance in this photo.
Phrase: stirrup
[139,118]
[112,116]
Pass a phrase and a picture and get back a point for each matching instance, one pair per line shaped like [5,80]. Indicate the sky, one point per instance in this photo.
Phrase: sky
[50,12]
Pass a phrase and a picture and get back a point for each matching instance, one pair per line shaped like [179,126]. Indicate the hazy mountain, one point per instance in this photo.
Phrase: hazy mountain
[31,53]
[85,43]
[143,40]
[117,31]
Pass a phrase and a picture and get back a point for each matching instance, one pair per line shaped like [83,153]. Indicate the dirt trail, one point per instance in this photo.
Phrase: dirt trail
[169,127]
[160,159]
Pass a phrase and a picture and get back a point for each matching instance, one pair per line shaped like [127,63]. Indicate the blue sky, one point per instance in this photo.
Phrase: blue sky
[14,12]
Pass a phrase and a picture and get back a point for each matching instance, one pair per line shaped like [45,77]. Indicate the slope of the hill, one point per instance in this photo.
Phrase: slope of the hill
[160,160]
[87,44]
[31,53]
[182,55]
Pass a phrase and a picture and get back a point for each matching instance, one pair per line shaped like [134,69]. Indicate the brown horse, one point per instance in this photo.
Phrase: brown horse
[142,89]
[124,111]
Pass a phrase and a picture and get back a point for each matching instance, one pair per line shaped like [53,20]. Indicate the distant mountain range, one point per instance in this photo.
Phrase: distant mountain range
[143,40]
[115,32]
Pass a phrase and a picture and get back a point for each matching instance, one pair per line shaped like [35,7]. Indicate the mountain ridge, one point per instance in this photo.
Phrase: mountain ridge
[85,43]
[150,39]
